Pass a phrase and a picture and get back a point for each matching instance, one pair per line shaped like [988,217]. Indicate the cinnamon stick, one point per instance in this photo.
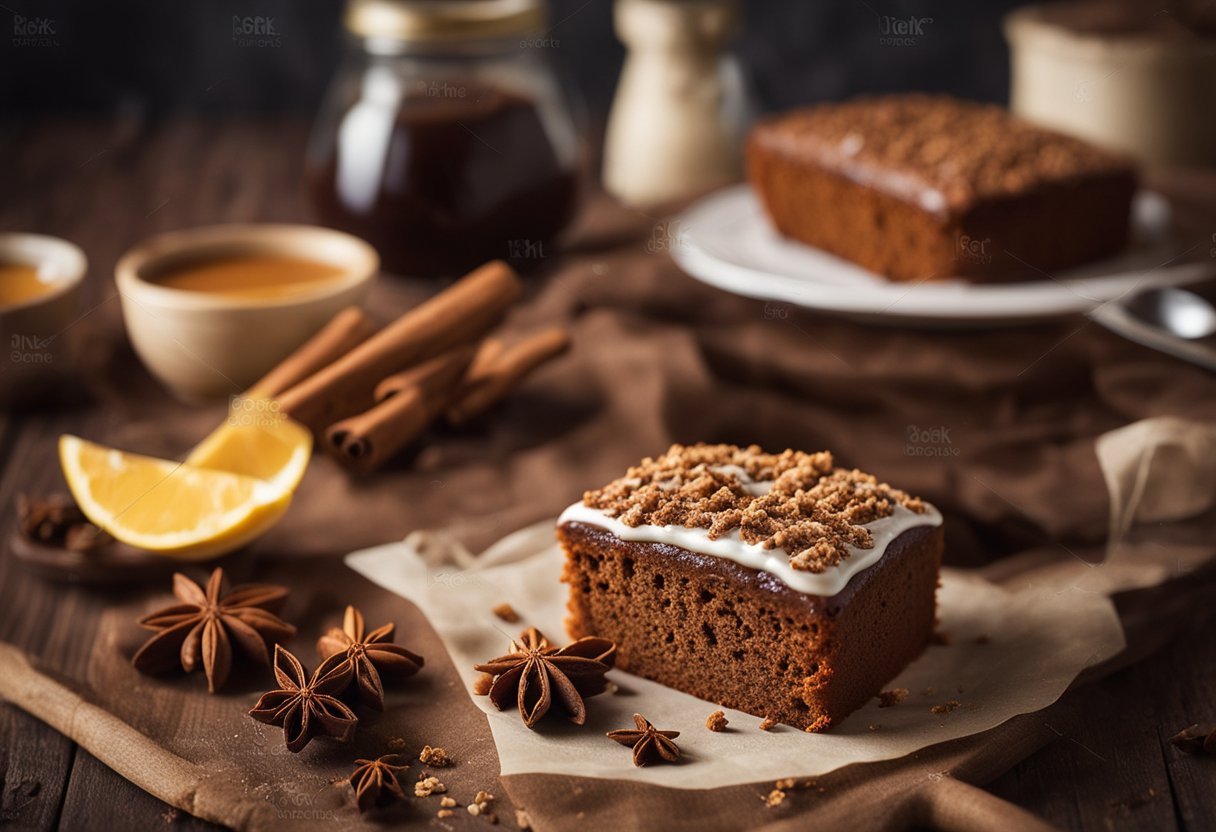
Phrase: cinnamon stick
[456,316]
[344,332]
[145,763]
[365,442]
[500,369]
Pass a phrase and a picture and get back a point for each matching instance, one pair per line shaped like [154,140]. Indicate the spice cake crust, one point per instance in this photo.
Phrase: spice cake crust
[916,187]
[683,564]
[743,639]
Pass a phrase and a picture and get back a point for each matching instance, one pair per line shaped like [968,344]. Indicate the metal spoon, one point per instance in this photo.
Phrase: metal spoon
[1167,319]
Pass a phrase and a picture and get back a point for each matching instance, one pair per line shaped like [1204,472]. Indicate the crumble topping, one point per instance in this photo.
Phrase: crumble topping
[434,757]
[428,786]
[794,501]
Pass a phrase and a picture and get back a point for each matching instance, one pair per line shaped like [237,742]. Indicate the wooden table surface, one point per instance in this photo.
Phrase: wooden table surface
[105,185]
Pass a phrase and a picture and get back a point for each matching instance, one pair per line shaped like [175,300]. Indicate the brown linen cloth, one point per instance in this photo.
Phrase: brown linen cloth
[996,427]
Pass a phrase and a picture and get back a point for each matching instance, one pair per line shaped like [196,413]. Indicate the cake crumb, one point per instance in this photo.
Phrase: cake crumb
[717,721]
[775,798]
[428,786]
[612,688]
[396,744]
[522,820]
[928,691]
[444,813]
[507,613]
[945,707]
[447,802]
[481,805]
[434,757]
[768,724]
[815,512]
[482,684]
[891,697]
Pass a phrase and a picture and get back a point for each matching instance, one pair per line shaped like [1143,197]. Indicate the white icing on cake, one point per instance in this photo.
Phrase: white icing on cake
[775,562]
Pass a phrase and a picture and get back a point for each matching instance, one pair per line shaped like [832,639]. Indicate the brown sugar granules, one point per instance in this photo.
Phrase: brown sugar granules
[506,612]
[793,500]
[946,707]
[717,721]
[892,697]
[434,757]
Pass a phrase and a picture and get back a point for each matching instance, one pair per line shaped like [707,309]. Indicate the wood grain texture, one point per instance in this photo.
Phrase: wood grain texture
[105,185]
[1114,768]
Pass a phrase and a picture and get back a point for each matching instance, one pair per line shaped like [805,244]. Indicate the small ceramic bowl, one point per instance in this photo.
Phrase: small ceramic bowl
[204,346]
[39,334]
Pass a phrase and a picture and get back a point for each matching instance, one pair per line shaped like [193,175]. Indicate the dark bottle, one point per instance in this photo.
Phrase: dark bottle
[447,140]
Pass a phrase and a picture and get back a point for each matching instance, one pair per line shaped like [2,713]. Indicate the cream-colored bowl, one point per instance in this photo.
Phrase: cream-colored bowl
[1125,76]
[39,335]
[203,345]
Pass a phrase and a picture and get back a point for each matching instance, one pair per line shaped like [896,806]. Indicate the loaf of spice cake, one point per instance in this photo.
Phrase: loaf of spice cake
[919,187]
[775,584]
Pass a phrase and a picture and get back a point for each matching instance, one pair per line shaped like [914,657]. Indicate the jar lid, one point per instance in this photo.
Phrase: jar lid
[443,20]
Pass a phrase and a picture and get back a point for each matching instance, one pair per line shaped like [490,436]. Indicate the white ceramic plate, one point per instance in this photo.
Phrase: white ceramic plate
[725,240]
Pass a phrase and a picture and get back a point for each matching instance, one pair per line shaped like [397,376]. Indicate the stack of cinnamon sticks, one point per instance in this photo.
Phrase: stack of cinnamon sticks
[368,394]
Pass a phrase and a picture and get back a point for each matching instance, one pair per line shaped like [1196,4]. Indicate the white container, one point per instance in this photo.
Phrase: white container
[681,103]
[1128,78]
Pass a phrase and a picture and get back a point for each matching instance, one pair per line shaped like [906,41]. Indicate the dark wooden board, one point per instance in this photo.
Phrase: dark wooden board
[107,184]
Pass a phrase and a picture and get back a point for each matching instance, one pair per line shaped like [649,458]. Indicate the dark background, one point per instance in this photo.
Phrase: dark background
[159,57]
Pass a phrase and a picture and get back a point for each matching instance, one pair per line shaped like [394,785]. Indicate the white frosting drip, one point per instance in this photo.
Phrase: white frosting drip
[753,555]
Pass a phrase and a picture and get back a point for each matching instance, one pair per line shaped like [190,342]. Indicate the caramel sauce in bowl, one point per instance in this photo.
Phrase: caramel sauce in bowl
[210,310]
[40,281]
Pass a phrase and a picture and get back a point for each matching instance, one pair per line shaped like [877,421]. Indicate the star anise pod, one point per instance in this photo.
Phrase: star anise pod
[535,673]
[1196,739]
[307,706]
[204,625]
[56,520]
[369,655]
[649,743]
[376,782]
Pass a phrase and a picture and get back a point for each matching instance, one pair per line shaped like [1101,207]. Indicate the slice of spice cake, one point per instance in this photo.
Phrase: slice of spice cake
[776,584]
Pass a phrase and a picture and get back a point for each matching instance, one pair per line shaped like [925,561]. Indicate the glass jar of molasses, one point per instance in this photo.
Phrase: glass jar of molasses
[447,138]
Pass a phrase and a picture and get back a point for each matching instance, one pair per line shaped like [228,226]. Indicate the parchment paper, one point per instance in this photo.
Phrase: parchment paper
[1010,653]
